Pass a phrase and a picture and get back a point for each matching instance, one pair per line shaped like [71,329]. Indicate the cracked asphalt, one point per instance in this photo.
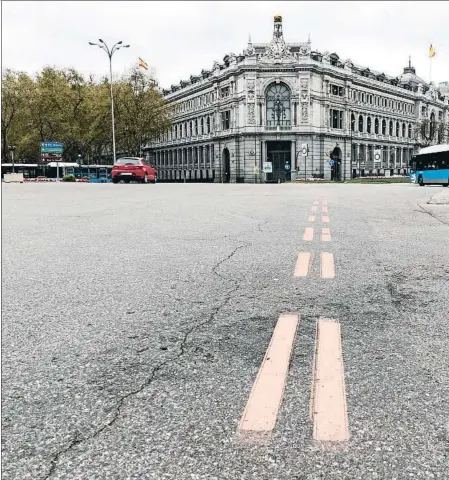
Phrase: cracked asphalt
[136,317]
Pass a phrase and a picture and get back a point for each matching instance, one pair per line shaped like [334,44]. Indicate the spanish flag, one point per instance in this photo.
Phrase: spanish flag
[431,51]
[143,64]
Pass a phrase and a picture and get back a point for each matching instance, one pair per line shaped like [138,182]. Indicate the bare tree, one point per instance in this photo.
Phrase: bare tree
[430,132]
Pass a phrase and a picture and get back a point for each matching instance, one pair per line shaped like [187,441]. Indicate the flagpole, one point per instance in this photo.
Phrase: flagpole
[430,71]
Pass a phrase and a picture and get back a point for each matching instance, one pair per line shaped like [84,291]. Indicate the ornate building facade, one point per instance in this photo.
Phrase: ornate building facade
[274,99]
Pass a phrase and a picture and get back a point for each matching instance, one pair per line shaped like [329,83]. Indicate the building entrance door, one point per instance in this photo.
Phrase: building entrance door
[279,154]
[226,166]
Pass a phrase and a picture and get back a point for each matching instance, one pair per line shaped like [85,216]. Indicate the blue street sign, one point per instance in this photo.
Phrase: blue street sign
[331,163]
[51,145]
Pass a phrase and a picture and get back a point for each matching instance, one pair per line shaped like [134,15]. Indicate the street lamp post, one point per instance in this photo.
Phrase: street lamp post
[111,52]
[11,148]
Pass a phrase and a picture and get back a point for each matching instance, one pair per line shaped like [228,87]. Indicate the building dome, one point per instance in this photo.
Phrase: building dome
[409,76]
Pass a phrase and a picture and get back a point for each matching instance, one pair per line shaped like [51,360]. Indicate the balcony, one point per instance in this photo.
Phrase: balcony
[278,125]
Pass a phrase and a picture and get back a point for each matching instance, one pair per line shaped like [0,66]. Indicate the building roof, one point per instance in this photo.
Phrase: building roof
[408,80]
[409,76]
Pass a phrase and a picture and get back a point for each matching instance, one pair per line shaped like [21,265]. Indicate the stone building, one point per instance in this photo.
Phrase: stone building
[275,100]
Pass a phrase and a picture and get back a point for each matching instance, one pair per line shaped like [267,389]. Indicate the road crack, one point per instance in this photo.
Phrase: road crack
[424,210]
[182,348]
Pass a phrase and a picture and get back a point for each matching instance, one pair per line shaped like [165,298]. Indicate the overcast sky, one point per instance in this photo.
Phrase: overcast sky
[178,39]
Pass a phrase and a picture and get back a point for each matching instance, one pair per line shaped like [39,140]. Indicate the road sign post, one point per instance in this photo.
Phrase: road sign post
[377,156]
[52,152]
[304,153]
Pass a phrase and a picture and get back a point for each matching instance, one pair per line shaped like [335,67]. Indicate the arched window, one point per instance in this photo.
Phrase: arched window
[432,126]
[384,127]
[390,130]
[397,129]
[403,130]
[409,130]
[376,126]
[278,105]
[352,122]
[368,125]
[360,123]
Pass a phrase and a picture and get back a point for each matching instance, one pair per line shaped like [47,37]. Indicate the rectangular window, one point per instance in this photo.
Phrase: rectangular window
[336,118]
[225,120]
[337,90]
[224,92]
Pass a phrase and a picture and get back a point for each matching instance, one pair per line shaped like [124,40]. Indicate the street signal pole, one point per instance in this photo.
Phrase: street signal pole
[304,153]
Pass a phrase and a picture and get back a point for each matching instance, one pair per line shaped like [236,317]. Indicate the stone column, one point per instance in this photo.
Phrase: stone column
[293,157]
[264,120]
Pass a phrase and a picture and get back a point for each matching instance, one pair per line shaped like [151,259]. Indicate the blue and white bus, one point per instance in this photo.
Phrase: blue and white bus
[431,166]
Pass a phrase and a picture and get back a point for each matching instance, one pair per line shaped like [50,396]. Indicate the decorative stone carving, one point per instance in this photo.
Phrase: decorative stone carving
[251,114]
[304,99]
[250,98]
[304,113]
[232,59]
[277,51]
[250,90]
[304,50]
[216,68]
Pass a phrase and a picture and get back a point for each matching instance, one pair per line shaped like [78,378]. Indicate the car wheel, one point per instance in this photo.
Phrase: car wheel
[420,181]
[154,179]
[115,180]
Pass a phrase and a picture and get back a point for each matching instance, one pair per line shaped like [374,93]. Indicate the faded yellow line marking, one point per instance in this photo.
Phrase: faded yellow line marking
[325,235]
[314,208]
[330,415]
[311,218]
[325,219]
[308,234]
[324,209]
[302,264]
[327,265]
[261,411]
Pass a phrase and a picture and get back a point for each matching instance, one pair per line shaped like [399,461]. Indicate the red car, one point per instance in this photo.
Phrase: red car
[133,169]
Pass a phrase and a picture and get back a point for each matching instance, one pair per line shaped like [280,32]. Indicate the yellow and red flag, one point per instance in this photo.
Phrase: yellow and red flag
[431,51]
[143,64]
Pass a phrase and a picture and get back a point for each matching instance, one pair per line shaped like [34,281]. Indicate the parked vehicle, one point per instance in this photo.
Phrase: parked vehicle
[431,166]
[134,169]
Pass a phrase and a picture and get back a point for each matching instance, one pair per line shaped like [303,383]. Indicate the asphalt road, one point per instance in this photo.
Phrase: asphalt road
[136,317]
